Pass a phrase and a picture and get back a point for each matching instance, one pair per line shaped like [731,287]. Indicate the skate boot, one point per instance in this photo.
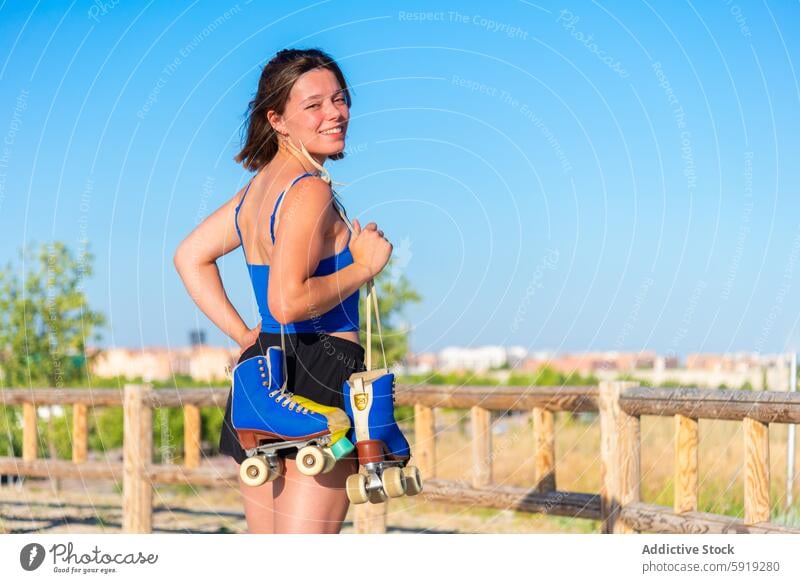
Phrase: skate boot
[268,418]
[383,450]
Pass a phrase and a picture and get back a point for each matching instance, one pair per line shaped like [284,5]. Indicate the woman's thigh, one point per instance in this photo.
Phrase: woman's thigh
[296,503]
[258,506]
[304,504]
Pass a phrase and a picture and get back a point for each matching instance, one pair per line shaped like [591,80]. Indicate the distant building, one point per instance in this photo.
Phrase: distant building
[147,363]
[421,363]
[587,363]
[515,355]
[207,363]
[202,363]
[761,371]
[455,358]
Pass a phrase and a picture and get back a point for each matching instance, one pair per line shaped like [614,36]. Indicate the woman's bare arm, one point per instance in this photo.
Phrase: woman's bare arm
[196,263]
[294,295]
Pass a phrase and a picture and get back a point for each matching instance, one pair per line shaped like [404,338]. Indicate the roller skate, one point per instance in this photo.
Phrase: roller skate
[268,419]
[383,450]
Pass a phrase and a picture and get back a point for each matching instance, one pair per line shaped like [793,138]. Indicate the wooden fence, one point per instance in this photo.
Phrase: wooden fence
[620,405]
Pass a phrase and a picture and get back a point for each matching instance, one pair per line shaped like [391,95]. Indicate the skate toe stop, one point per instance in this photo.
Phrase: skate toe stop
[341,448]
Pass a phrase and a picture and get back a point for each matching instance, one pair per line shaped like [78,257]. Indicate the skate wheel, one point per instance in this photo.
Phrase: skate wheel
[254,471]
[330,460]
[356,487]
[413,480]
[394,482]
[310,460]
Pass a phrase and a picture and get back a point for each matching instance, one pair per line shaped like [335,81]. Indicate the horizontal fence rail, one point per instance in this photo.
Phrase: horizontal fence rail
[574,399]
[619,404]
[107,397]
[764,406]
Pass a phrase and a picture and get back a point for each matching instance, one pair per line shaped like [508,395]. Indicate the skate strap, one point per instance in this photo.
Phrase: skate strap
[372,292]
[285,366]
[274,228]
[371,299]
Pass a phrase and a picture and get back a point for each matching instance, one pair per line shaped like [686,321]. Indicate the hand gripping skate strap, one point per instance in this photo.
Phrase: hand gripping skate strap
[372,294]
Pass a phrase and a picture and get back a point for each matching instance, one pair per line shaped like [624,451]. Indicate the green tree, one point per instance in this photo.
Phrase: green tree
[45,321]
[45,317]
[394,293]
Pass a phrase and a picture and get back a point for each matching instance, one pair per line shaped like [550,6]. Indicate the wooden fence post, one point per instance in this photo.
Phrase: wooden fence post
[191,436]
[80,434]
[137,490]
[370,518]
[620,453]
[756,471]
[29,447]
[425,440]
[481,447]
[686,439]
[544,439]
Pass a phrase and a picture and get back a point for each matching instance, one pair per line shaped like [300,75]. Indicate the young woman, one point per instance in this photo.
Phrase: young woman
[305,265]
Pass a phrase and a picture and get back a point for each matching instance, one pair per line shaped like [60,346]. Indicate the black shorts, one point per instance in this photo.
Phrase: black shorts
[318,365]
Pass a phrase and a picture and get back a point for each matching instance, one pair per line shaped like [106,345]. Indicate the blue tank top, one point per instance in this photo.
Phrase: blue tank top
[341,318]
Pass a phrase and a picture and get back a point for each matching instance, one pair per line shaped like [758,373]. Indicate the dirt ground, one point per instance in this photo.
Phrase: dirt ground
[35,506]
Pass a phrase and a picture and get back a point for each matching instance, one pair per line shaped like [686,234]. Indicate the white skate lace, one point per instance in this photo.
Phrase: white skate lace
[285,398]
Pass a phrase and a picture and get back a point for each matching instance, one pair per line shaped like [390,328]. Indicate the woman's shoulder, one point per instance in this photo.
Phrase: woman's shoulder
[306,190]
[308,200]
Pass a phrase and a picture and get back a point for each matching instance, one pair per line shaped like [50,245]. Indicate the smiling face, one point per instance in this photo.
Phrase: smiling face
[316,113]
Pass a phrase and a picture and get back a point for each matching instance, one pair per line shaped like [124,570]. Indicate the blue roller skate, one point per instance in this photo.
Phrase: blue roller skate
[383,450]
[268,419]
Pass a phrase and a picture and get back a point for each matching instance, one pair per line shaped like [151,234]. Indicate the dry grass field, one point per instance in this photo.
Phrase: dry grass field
[721,460]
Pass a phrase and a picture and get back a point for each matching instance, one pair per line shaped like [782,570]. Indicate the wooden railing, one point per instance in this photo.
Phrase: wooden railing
[618,505]
[755,409]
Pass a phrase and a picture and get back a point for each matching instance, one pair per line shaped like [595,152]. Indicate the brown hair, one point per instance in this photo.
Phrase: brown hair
[277,78]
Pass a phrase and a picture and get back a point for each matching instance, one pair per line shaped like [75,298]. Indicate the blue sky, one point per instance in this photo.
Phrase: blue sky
[567,176]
